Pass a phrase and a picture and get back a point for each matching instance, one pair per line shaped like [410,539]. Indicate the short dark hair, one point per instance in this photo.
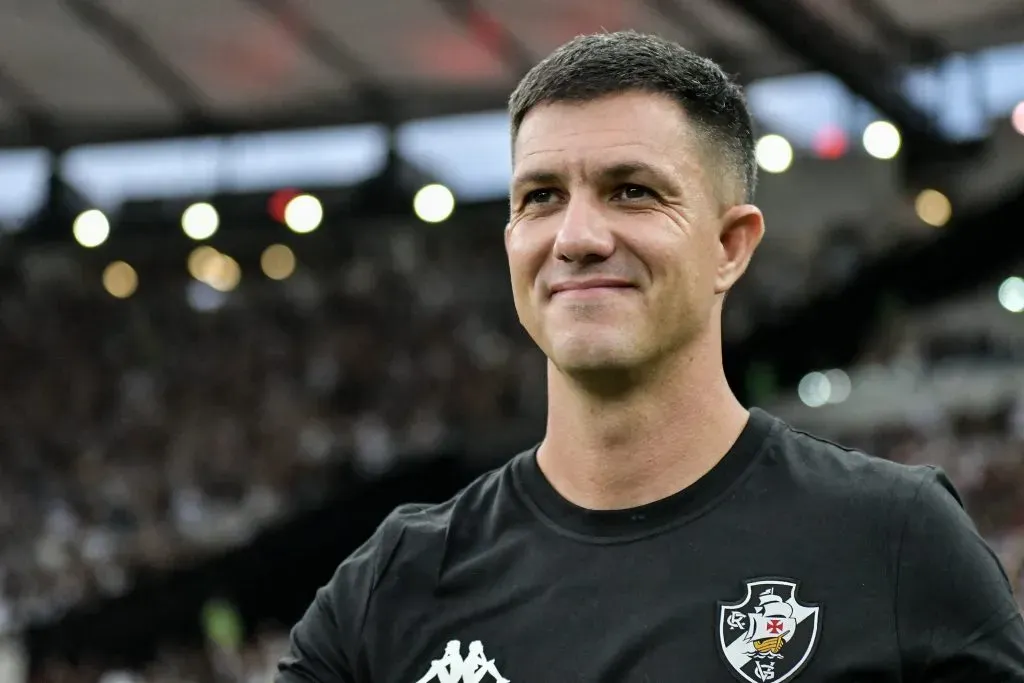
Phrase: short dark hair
[594,66]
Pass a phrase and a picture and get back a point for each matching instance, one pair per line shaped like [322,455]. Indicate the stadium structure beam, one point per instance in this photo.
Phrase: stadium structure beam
[413,103]
[120,35]
[38,123]
[491,33]
[867,73]
[332,53]
[999,27]
[684,18]
[917,47]
[831,328]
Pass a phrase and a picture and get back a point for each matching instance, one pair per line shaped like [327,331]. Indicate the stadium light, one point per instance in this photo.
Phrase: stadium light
[202,297]
[1011,294]
[1017,118]
[433,203]
[120,280]
[303,214]
[200,221]
[882,140]
[774,153]
[226,274]
[202,262]
[839,385]
[278,202]
[933,208]
[814,389]
[91,228]
[278,262]
[830,143]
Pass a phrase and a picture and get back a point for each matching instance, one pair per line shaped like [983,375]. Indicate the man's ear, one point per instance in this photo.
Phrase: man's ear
[742,228]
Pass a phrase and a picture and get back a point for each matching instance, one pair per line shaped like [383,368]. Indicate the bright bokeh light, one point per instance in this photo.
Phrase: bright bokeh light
[120,280]
[91,228]
[200,221]
[303,214]
[830,142]
[202,263]
[774,153]
[433,203]
[933,208]
[226,274]
[1017,118]
[209,266]
[1011,294]
[814,389]
[278,262]
[204,298]
[278,202]
[839,385]
[882,140]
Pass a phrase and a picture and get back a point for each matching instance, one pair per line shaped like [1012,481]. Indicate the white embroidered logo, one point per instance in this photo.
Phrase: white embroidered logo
[452,668]
[769,635]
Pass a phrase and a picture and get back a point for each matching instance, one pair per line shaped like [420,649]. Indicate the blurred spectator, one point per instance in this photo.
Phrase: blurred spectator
[257,663]
[143,433]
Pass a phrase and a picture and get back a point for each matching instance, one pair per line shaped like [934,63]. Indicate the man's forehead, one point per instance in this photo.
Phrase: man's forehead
[622,161]
[631,114]
[573,139]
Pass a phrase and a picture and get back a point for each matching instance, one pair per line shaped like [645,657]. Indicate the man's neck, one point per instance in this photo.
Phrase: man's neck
[645,444]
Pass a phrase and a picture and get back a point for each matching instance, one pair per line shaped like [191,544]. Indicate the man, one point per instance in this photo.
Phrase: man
[660,532]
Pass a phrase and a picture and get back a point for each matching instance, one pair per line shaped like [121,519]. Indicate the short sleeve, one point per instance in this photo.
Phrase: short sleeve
[957,619]
[323,645]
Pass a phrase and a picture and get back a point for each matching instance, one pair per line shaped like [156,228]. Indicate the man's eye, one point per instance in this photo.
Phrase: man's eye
[542,196]
[634,192]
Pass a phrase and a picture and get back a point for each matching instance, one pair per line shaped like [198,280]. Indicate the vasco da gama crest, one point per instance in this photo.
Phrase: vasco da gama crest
[769,635]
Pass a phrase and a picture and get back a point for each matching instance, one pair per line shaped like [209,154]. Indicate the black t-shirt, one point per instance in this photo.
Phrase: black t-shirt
[792,558]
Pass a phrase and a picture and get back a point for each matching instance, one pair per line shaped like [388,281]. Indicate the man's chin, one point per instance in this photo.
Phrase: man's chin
[589,356]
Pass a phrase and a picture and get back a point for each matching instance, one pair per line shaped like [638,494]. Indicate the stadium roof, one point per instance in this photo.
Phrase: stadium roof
[84,71]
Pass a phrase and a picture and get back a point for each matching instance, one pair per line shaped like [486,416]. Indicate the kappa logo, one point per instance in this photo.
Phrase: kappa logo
[452,668]
[769,635]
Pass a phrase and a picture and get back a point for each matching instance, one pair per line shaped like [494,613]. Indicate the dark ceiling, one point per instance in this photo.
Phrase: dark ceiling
[82,71]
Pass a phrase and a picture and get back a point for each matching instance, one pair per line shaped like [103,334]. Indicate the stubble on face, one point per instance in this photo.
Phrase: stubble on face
[622,194]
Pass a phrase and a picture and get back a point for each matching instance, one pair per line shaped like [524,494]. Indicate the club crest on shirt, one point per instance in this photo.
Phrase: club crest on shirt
[769,635]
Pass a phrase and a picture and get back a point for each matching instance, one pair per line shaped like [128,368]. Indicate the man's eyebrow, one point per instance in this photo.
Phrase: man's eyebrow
[618,172]
[535,178]
[630,169]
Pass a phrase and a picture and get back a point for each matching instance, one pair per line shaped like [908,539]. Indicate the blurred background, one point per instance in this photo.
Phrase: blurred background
[253,291]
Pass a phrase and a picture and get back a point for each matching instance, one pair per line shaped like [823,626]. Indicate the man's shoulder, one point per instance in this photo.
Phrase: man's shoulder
[417,525]
[830,468]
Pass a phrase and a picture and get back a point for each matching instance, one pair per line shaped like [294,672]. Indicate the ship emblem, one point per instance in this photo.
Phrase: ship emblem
[769,635]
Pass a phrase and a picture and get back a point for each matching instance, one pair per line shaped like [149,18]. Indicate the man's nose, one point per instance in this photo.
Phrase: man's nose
[584,235]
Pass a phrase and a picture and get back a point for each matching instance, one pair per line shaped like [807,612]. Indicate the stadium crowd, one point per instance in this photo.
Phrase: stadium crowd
[141,434]
[254,662]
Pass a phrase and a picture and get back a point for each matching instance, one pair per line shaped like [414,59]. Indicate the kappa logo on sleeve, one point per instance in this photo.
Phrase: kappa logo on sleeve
[769,635]
[452,668]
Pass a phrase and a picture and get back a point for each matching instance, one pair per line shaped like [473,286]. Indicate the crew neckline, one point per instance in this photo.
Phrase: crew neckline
[639,521]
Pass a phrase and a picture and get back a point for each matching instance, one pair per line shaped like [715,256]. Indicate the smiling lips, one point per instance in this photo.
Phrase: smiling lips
[589,286]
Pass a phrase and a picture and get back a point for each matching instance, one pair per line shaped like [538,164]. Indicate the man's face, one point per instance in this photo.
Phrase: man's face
[615,238]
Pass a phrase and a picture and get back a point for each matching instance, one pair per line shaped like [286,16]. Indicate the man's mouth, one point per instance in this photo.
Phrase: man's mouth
[590,286]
